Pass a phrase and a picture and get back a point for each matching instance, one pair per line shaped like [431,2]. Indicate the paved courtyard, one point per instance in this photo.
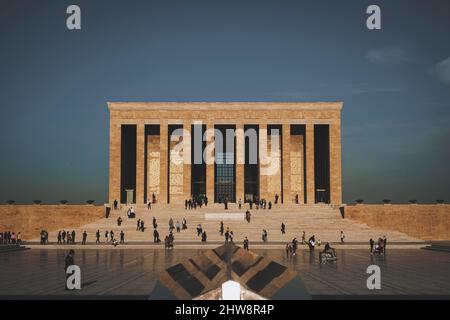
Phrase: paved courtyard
[134,272]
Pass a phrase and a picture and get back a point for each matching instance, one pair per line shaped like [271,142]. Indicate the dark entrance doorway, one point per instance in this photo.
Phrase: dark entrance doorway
[322,162]
[198,167]
[251,166]
[224,167]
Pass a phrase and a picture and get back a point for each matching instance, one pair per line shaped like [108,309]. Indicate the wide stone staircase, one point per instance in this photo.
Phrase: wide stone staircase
[323,221]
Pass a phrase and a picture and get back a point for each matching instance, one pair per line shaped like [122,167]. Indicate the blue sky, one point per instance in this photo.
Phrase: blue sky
[394,82]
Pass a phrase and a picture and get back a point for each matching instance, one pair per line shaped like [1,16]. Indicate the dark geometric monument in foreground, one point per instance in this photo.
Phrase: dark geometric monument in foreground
[204,274]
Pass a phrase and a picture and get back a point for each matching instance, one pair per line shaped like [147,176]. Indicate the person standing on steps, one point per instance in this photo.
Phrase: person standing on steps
[246,243]
[283,228]
[342,236]
[221,228]
[97,236]
[204,236]
[122,237]
[240,203]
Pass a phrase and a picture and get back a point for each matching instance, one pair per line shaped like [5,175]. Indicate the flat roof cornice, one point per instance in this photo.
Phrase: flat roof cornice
[133,106]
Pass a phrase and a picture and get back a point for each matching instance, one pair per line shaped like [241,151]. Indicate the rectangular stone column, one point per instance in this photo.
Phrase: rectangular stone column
[153,166]
[210,159]
[240,159]
[286,163]
[140,162]
[335,164]
[164,139]
[187,173]
[274,169]
[114,161]
[310,183]
[297,168]
[263,160]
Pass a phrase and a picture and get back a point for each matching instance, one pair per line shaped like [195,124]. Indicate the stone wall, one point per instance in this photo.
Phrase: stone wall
[30,219]
[427,222]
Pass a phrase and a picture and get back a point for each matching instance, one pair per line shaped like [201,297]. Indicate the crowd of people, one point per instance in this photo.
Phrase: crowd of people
[194,202]
[10,237]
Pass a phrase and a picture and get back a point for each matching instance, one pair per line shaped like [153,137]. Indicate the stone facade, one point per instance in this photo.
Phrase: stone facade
[172,183]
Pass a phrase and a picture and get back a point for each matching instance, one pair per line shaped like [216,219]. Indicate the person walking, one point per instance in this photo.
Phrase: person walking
[312,243]
[156,236]
[97,236]
[59,238]
[294,246]
[122,237]
[240,203]
[283,228]
[371,244]
[342,236]
[84,237]
[138,224]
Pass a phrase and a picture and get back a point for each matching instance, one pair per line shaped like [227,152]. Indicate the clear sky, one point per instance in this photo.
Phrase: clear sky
[394,82]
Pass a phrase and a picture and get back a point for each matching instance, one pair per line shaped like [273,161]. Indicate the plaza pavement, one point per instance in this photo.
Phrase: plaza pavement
[132,274]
